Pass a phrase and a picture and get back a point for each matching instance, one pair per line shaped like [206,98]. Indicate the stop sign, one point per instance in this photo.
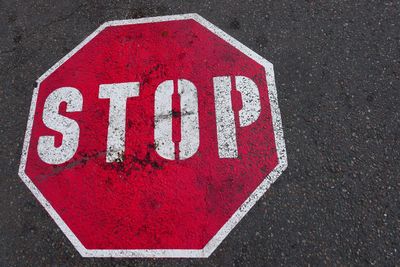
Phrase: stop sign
[153,138]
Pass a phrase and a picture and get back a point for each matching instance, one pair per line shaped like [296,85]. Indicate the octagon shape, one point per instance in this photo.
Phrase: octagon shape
[208,196]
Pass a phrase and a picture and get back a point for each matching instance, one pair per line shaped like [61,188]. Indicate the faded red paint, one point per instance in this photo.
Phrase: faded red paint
[147,202]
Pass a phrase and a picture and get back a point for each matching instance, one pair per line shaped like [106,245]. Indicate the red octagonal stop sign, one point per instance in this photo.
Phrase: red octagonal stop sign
[153,138]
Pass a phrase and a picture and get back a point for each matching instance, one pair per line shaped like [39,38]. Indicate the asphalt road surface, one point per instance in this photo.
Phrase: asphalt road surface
[337,68]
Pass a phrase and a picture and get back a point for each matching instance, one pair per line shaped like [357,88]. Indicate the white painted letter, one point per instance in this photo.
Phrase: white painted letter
[163,120]
[226,128]
[251,100]
[68,127]
[190,139]
[118,93]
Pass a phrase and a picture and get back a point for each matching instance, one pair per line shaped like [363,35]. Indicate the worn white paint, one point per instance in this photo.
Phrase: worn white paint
[190,131]
[225,119]
[164,144]
[190,138]
[118,94]
[69,128]
[241,211]
[250,99]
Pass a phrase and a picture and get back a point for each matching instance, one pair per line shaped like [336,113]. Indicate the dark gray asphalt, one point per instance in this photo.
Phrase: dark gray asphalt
[337,67]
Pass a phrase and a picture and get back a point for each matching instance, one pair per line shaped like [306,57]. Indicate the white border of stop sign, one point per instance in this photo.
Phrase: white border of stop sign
[236,217]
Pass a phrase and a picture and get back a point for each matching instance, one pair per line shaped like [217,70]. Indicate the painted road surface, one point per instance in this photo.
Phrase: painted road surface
[153,138]
[336,72]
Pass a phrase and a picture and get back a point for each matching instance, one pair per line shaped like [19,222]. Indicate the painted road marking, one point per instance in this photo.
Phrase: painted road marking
[153,138]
